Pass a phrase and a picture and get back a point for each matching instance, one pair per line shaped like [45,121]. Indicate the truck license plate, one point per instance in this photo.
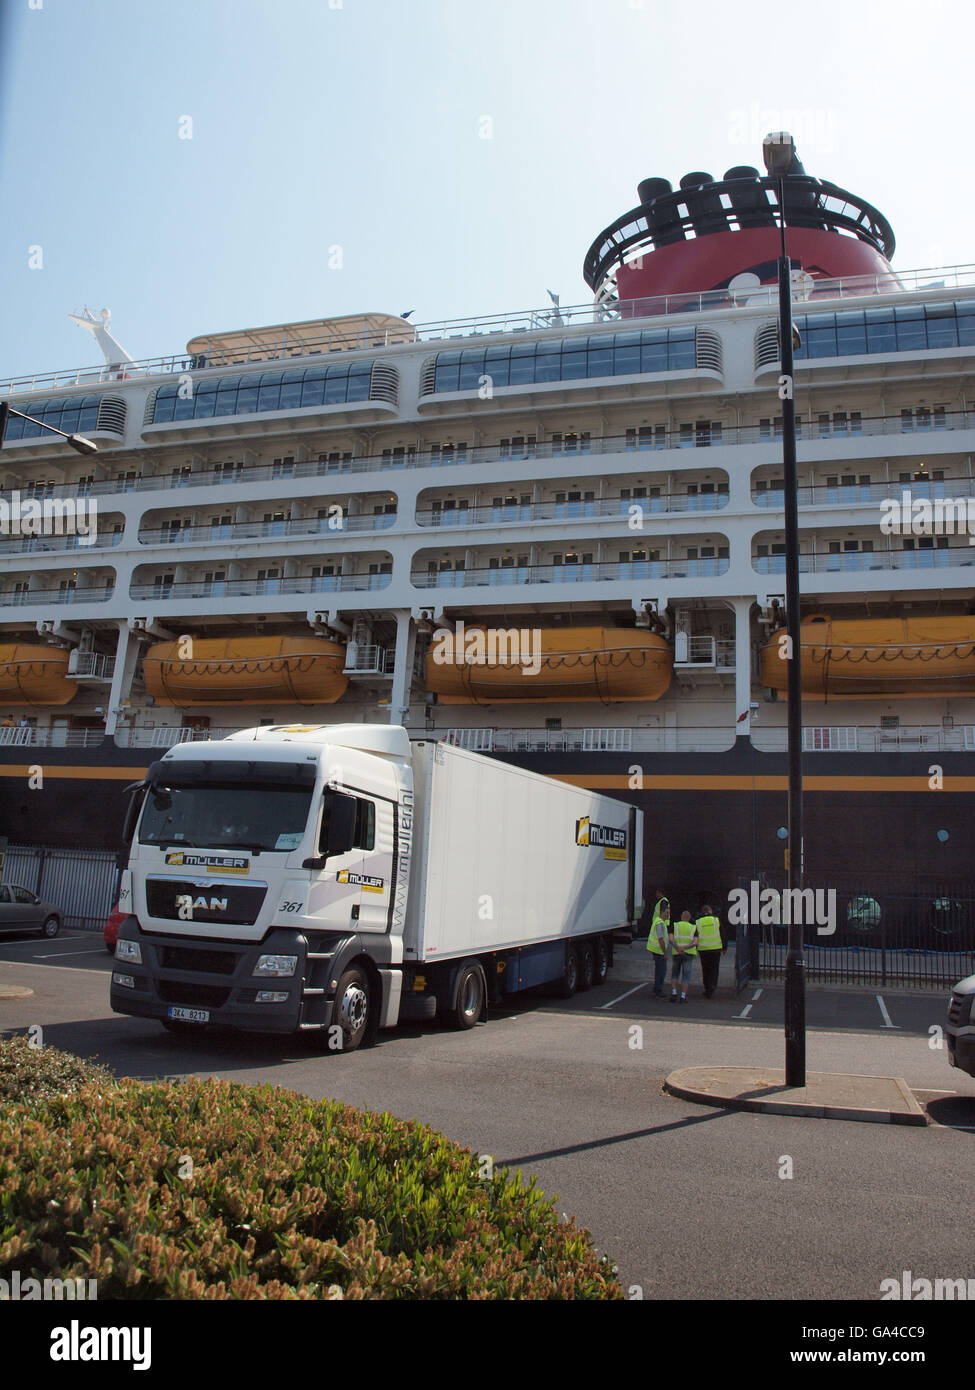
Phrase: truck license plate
[188,1015]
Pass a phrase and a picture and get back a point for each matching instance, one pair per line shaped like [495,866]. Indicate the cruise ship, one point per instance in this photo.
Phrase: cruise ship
[291,518]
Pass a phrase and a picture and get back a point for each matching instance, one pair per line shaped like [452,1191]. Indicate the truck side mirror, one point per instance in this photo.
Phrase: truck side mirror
[136,795]
[338,825]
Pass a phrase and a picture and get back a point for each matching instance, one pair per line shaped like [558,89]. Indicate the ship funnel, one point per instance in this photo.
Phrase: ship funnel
[664,221]
[648,189]
[747,197]
[703,203]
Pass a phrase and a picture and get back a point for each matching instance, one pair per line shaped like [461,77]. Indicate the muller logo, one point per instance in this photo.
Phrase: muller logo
[606,837]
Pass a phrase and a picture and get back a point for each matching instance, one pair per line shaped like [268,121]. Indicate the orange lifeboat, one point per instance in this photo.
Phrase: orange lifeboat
[34,675]
[246,671]
[481,665]
[863,658]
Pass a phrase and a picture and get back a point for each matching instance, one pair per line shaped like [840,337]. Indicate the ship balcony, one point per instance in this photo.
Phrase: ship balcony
[46,545]
[710,497]
[849,491]
[91,668]
[340,523]
[576,572]
[34,590]
[656,439]
[940,553]
[366,659]
[273,586]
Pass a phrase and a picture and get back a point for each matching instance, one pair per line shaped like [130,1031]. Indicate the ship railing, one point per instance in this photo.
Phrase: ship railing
[165,736]
[870,738]
[50,737]
[261,530]
[509,512]
[546,319]
[495,454]
[239,588]
[847,494]
[35,545]
[27,598]
[612,739]
[937,557]
[100,665]
[570,573]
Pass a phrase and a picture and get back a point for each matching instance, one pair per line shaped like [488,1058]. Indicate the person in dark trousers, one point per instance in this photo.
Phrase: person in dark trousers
[710,948]
[658,943]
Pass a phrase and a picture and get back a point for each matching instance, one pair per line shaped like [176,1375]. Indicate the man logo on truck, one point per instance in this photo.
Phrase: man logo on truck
[605,837]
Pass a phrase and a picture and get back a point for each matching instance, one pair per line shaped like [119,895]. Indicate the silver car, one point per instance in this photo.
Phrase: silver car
[22,910]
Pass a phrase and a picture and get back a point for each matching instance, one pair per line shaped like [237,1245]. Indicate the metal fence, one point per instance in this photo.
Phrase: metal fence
[82,883]
[883,933]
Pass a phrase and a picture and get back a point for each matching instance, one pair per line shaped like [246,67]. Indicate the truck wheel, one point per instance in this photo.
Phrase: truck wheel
[352,1004]
[470,997]
[569,982]
[601,969]
[587,965]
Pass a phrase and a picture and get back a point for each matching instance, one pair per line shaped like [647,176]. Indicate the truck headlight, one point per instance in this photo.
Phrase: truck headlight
[128,950]
[276,965]
[127,980]
[272,996]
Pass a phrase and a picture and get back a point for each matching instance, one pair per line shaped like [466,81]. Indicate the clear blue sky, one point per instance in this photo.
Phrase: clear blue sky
[360,126]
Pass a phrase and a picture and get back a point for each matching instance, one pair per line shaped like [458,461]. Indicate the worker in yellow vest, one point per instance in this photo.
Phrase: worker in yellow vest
[658,943]
[710,946]
[685,935]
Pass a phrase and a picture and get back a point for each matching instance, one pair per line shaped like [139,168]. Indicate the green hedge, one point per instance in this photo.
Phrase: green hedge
[38,1073]
[281,1197]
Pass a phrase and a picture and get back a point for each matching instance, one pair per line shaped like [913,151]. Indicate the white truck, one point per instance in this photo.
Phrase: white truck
[333,880]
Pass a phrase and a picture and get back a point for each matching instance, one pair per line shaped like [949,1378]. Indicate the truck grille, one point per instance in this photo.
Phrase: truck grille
[175,992]
[187,958]
[237,903]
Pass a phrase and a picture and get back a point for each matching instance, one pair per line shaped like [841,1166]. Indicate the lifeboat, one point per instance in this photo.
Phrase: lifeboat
[34,675]
[481,665]
[246,671]
[861,658]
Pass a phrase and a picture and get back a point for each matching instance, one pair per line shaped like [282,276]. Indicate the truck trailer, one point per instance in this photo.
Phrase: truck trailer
[333,880]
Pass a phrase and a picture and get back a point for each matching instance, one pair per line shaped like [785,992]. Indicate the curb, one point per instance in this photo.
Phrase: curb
[681,1084]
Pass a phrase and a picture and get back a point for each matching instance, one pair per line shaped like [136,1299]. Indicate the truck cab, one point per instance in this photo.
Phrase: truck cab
[258,868]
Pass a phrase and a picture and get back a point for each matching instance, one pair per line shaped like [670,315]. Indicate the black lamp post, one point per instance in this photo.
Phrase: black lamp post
[78,442]
[778,152]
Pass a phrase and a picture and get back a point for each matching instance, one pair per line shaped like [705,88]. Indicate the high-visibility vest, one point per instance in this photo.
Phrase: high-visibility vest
[658,944]
[684,935]
[709,931]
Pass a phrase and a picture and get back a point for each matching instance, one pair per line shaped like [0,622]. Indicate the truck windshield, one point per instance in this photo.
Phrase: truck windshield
[226,817]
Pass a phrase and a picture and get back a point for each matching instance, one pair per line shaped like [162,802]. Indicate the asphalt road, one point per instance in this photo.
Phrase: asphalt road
[688,1200]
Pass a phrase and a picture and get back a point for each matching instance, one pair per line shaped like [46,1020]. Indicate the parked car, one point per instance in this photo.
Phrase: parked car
[111,929]
[961,1026]
[22,910]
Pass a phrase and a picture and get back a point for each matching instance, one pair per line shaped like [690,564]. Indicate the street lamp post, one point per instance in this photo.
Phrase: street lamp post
[78,442]
[778,152]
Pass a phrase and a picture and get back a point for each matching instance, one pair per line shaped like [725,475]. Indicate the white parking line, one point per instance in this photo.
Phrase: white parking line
[642,985]
[883,1009]
[26,965]
[88,951]
[748,1007]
